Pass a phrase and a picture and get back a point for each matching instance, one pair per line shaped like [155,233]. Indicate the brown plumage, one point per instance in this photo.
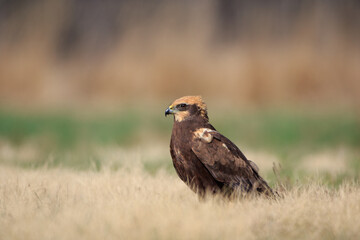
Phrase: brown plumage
[204,159]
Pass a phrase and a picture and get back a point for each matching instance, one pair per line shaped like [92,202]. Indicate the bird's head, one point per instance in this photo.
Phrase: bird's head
[186,108]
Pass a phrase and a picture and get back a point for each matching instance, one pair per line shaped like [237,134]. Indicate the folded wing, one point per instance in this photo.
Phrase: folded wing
[225,162]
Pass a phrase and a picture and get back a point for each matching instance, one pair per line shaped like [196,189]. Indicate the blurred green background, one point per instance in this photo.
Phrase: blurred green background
[82,83]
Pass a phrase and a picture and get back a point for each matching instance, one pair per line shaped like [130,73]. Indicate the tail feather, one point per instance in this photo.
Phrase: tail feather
[261,187]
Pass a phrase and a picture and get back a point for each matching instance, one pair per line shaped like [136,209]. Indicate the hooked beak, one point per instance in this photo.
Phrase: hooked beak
[169,110]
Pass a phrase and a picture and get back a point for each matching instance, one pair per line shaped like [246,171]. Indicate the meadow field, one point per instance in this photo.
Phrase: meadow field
[132,204]
[109,176]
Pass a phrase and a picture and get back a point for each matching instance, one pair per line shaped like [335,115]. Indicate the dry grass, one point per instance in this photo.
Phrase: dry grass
[135,194]
[131,204]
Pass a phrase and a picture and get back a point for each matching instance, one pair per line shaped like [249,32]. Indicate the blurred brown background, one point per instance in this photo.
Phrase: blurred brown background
[72,53]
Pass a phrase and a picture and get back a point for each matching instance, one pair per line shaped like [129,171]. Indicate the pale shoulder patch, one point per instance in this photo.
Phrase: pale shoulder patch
[204,134]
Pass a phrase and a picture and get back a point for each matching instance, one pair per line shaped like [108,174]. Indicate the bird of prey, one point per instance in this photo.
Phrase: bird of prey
[207,161]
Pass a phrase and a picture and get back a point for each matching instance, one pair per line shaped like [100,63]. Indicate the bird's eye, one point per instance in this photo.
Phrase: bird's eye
[181,105]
